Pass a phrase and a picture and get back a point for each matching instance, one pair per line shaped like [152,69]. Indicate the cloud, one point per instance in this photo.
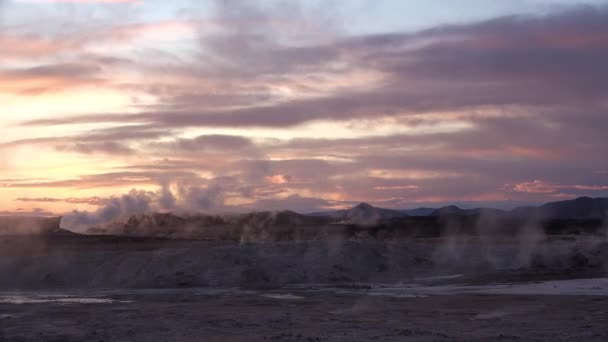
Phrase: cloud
[39,212]
[32,46]
[107,147]
[85,1]
[111,179]
[96,201]
[214,143]
[536,186]
[542,187]
[110,141]
[49,78]
[451,113]
[279,179]
[458,67]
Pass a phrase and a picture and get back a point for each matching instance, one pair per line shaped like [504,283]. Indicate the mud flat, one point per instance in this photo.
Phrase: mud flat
[309,314]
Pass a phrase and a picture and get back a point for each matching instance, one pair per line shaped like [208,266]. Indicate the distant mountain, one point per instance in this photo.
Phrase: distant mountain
[582,208]
[523,212]
[214,227]
[25,225]
[419,211]
[368,214]
[450,210]
[580,215]
[454,210]
[363,213]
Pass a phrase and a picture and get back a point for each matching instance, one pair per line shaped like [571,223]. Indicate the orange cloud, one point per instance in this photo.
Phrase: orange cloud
[31,46]
[279,179]
[398,187]
[42,79]
[95,200]
[542,187]
[535,187]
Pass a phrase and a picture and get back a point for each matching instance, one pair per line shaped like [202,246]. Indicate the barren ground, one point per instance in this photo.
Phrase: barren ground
[309,316]
[262,292]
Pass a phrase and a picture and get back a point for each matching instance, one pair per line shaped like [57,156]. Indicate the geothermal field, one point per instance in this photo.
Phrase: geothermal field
[360,274]
[303,170]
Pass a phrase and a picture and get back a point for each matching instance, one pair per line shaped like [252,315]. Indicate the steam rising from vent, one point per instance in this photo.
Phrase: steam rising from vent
[606,225]
[28,225]
[485,242]
[135,202]
[271,249]
[166,199]
[138,202]
[202,199]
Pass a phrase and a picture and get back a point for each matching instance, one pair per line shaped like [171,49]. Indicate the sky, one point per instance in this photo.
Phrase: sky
[109,107]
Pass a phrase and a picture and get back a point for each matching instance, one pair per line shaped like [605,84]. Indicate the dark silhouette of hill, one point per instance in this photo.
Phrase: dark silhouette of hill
[362,213]
[26,225]
[579,216]
[582,208]
[364,221]
[454,210]
[364,243]
[419,211]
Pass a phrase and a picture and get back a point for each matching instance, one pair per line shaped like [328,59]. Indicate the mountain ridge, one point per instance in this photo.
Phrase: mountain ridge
[289,224]
[578,208]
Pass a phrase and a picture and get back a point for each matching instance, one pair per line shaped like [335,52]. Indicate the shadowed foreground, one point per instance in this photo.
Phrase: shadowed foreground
[318,316]
[346,284]
[100,262]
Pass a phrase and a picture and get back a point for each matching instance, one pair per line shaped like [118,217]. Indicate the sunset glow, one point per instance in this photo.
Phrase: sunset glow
[227,106]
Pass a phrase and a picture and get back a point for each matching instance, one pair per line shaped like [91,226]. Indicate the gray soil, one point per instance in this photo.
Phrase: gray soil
[262,270]
[111,262]
[315,316]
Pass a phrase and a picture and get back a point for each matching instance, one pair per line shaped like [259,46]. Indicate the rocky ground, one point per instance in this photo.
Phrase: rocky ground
[209,291]
[310,316]
[119,262]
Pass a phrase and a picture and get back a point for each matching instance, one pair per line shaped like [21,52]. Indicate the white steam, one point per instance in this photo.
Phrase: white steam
[135,202]
[139,202]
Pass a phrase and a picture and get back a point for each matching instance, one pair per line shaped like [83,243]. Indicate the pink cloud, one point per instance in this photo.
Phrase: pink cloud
[535,187]
[589,187]
[31,46]
[398,187]
[279,179]
[542,187]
